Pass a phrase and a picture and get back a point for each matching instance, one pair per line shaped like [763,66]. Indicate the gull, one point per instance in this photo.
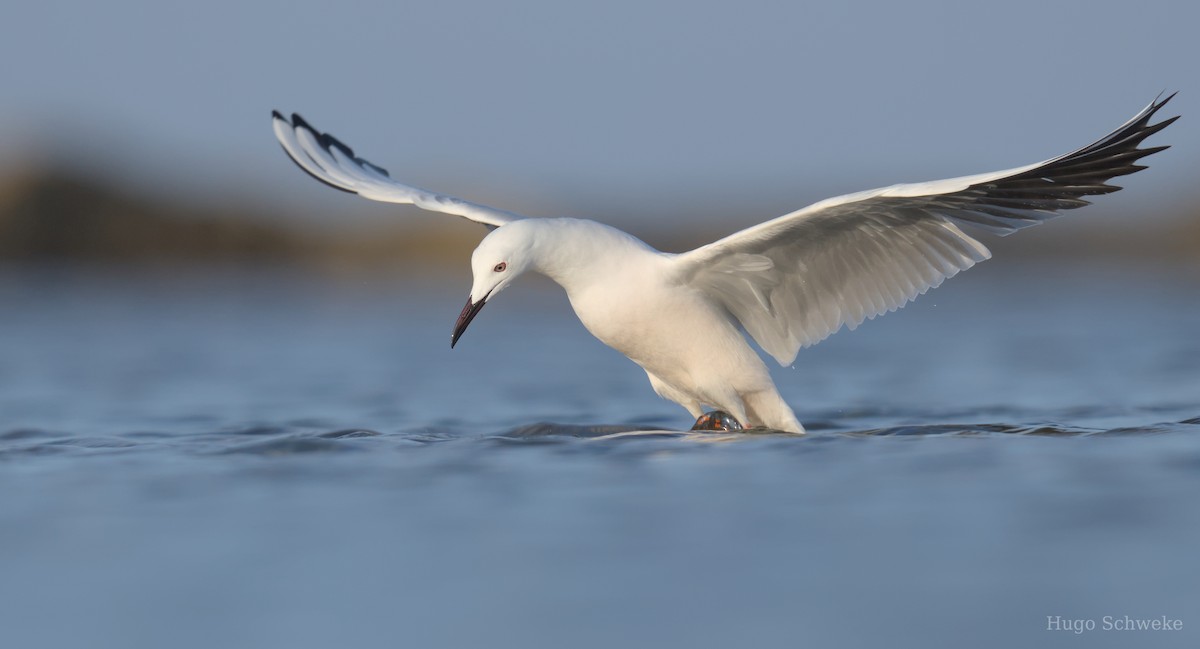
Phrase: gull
[788,283]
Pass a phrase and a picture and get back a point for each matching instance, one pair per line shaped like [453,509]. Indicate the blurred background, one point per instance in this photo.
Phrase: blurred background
[229,416]
[138,131]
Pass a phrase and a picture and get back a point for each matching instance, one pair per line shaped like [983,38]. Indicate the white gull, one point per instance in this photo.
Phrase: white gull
[789,282]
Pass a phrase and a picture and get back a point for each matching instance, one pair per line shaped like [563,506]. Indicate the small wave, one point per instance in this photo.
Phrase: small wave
[27,433]
[290,445]
[350,433]
[550,429]
[941,430]
[94,442]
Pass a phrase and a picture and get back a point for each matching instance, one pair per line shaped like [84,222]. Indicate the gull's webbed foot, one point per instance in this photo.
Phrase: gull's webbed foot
[717,420]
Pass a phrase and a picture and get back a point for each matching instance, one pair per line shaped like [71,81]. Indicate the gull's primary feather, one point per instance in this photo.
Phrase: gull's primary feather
[325,158]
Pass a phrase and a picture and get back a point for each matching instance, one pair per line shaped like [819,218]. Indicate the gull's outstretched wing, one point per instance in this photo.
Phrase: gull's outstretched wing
[323,157]
[795,280]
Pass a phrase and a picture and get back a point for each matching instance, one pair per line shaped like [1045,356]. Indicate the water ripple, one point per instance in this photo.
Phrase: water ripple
[299,438]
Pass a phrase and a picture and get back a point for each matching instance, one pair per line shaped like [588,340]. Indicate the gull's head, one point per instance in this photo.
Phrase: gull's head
[501,257]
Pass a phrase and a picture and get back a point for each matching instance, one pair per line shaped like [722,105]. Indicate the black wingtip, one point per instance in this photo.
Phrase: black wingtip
[300,122]
[1159,102]
[1167,122]
[328,141]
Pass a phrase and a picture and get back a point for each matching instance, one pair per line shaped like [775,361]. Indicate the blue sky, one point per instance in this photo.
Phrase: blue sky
[620,111]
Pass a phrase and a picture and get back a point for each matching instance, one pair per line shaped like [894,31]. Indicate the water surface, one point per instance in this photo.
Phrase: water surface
[266,458]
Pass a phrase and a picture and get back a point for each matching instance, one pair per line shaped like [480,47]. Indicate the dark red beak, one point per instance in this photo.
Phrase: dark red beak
[468,314]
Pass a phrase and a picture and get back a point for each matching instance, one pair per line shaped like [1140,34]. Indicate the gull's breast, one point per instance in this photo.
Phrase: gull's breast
[658,325]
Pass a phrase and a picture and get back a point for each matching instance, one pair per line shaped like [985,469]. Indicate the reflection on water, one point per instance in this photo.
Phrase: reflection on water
[267,459]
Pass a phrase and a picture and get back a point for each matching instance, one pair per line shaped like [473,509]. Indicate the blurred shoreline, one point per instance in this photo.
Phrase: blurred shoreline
[59,216]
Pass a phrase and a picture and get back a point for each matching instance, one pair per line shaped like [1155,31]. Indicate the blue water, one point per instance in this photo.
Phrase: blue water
[266,458]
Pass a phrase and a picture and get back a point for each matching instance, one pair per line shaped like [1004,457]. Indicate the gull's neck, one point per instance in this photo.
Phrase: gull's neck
[578,254]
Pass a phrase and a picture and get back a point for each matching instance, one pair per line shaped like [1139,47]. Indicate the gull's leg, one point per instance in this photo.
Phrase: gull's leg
[715,420]
[669,393]
[767,408]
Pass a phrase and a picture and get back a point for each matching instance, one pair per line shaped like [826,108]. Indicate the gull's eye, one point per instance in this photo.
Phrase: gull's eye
[500,267]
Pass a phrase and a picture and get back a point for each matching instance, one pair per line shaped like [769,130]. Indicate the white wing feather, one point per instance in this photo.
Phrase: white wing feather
[797,279]
[325,158]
